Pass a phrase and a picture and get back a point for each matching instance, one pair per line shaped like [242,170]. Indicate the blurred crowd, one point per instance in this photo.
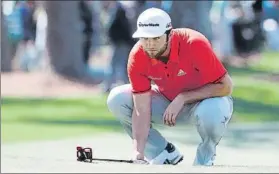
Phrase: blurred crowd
[238,30]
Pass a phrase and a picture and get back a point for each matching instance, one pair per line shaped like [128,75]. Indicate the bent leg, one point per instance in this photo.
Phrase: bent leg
[212,116]
[120,103]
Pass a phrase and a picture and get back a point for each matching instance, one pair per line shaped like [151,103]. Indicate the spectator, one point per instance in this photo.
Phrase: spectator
[87,18]
[27,47]
[120,35]
[247,32]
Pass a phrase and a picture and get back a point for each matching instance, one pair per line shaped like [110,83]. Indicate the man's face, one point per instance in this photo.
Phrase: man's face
[154,47]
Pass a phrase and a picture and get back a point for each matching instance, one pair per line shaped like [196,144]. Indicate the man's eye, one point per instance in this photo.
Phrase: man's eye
[156,38]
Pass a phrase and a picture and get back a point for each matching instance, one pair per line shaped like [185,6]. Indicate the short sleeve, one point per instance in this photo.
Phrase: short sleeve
[136,72]
[206,62]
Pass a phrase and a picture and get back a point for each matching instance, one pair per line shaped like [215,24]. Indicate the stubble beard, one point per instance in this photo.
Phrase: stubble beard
[159,53]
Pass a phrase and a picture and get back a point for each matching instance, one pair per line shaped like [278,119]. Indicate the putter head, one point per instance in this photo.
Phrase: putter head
[79,148]
[84,154]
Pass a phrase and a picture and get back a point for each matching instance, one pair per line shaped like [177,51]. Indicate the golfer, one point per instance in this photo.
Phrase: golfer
[175,79]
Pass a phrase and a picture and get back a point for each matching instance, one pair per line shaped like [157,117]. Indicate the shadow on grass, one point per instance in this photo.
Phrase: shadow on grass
[254,73]
[267,112]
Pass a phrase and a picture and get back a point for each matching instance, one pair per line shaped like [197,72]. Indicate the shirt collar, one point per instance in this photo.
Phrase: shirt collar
[175,48]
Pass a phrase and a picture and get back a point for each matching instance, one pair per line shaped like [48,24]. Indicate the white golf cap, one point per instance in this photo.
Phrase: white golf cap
[152,22]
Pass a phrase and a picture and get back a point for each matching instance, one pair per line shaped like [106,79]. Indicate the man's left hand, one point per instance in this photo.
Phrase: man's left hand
[173,110]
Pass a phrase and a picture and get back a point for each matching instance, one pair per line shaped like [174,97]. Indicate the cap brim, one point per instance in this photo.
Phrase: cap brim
[139,34]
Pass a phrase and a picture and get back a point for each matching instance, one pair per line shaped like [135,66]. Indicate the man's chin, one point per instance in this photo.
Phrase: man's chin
[153,56]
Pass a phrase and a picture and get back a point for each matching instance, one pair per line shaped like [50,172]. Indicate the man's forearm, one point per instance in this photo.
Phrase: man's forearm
[140,127]
[207,91]
[141,120]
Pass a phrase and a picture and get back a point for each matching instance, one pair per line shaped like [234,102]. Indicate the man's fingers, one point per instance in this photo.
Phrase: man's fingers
[166,118]
[169,119]
[173,119]
[140,161]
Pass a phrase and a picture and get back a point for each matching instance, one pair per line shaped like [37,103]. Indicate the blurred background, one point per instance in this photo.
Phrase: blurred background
[59,60]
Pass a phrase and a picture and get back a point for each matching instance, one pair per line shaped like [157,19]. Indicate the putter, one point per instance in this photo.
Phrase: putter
[112,160]
[86,155]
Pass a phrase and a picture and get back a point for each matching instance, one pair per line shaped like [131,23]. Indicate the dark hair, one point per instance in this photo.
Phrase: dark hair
[168,34]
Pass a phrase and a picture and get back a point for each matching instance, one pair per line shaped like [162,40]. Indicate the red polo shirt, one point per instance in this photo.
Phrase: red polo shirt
[192,64]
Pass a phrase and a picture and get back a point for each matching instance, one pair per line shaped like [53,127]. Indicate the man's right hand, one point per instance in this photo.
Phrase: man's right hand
[139,158]
[139,155]
[141,162]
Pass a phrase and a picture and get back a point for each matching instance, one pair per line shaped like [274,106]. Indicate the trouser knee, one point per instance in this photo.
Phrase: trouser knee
[119,102]
[212,117]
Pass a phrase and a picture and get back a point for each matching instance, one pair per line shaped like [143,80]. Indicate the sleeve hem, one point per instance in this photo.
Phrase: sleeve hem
[218,79]
[141,92]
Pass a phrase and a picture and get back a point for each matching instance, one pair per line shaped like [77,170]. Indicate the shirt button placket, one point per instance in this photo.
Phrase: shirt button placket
[168,75]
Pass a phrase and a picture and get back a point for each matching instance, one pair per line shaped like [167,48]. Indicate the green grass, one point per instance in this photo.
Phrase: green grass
[269,63]
[253,90]
[34,119]
[25,119]
[17,132]
[256,99]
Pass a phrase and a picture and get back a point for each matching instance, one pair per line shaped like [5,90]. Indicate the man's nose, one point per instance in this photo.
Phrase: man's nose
[150,43]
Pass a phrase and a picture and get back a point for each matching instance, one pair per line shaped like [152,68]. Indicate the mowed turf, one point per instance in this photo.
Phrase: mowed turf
[256,90]
[39,119]
[23,119]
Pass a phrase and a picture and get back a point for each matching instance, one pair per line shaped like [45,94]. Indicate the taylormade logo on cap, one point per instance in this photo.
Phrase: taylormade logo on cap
[148,25]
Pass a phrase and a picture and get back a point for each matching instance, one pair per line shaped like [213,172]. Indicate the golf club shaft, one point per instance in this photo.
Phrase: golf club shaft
[112,160]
